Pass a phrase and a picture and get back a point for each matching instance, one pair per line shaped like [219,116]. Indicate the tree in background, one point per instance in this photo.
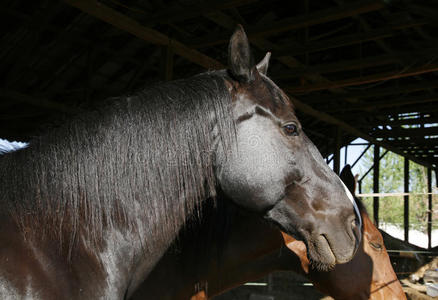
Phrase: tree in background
[391,181]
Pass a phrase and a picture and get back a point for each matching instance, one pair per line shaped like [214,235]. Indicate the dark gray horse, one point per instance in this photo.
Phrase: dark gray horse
[90,207]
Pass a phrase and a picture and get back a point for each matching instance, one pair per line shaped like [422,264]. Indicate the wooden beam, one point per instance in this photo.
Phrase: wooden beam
[375,105]
[429,208]
[350,39]
[307,109]
[372,167]
[40,102]
[361,155]
[167,63]
[337,150]
[376,176]
[338,66]
[411,121]
[378,92]
[363,79]
[406,200]
[400,132]
[404,57]
[178,14]
[319,17]
[118,20]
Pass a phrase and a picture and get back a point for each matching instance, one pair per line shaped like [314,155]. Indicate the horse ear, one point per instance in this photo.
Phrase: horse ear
[239,56]
[348,178]
[263,65]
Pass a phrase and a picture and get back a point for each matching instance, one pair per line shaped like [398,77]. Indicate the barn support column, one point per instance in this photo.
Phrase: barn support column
[337,151]
[429,208]
[406,200]
[376,175]
[167,62]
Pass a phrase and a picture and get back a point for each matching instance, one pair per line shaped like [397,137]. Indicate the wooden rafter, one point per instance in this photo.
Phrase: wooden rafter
[349,39]
[179,14]
[315,18]
[123,22]
[411,132]
[364,80]
[388,103]
[40,102]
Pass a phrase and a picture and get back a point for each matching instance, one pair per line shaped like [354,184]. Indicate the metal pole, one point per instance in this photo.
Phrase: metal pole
[406,200]
[376,184]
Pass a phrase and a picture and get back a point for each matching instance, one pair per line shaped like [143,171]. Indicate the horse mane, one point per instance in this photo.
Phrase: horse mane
[147,156]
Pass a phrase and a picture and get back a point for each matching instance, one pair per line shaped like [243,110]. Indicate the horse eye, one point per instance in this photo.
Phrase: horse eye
[376,246]
[290,129]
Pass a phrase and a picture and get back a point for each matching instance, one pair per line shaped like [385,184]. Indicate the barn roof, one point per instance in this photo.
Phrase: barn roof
[366,67]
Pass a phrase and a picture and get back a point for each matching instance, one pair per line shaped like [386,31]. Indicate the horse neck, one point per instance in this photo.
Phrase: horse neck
[96,180]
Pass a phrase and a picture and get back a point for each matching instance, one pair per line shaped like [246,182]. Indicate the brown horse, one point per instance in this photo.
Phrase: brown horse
[249,254]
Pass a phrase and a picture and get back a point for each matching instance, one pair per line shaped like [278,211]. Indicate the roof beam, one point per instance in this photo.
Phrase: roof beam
[319,17]
[387,103]
[40,102]
[349,39]
[378,92]
[307,109]
[360,63]
[177,14]
[410,121]
[123,22]
[411,132]
[363,79]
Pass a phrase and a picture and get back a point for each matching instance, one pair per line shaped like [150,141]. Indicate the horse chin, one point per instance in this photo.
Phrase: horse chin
[321,255]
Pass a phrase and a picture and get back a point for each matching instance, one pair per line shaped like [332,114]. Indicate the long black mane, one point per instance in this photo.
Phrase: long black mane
[142,157]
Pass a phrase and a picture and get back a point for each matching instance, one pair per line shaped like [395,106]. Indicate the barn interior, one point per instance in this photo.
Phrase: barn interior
[362,68]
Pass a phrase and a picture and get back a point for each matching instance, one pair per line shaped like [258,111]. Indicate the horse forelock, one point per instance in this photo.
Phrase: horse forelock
[142,158]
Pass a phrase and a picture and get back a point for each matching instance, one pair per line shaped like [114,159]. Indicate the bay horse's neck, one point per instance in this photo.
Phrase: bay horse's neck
[121,181]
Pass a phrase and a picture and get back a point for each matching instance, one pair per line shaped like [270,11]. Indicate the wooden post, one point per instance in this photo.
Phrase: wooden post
[337,151]
[429,208]
[167,67]
[360,186]
[376,175]
[346,155]
[406,200]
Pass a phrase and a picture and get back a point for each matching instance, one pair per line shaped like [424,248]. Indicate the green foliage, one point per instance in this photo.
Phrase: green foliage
[391,180]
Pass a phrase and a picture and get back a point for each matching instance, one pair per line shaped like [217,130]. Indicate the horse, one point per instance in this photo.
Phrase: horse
[89,208]
[191,271]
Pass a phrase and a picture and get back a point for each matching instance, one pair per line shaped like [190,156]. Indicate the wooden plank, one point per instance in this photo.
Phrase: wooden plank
[406,200]
[363,79]
[319,17]
[113,17]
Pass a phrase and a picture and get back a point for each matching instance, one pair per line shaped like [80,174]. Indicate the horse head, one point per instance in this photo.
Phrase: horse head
[375,278]
[273,169]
